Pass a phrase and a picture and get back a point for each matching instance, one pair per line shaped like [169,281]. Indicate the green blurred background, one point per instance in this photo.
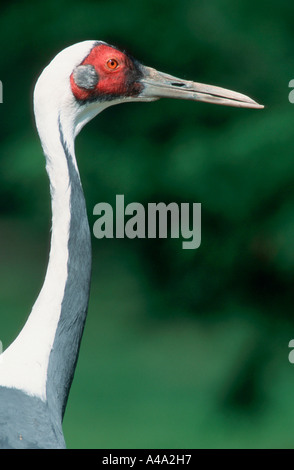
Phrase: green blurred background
[182,348]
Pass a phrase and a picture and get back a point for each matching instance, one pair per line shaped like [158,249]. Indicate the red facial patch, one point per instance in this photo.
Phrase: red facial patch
[118,75]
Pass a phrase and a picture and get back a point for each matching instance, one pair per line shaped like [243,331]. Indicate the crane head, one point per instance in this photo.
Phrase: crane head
[84,79]
[108,74]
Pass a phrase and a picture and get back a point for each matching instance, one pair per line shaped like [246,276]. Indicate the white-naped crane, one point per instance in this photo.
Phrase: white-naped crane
[37,369]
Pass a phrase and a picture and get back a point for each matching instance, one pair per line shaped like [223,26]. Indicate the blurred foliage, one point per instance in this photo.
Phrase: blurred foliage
[182,348]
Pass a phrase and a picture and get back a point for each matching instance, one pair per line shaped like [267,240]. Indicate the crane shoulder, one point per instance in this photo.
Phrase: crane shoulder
[27,423]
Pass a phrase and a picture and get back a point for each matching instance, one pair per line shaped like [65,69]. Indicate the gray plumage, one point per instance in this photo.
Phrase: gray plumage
[85,76]
[27,422]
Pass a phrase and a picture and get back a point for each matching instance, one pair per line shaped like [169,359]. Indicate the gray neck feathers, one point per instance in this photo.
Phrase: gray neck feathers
[64,354]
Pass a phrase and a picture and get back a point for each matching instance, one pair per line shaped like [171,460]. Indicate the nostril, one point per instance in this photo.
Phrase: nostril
[178,84]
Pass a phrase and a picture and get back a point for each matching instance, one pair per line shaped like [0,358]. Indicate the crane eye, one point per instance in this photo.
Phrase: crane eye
[112,64]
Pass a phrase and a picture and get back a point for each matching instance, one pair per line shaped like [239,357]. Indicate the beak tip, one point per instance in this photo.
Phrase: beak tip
[259,106]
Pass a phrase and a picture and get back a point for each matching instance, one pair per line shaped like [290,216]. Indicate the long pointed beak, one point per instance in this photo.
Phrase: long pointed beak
[161,85]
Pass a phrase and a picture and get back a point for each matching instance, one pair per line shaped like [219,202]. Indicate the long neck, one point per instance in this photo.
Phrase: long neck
[42,359]
[64,354]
